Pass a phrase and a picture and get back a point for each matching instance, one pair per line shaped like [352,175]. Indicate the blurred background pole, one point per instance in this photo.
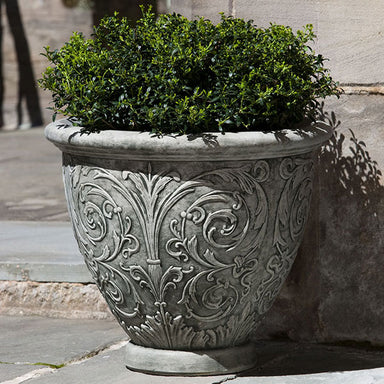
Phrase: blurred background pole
[27,91]
[1,66]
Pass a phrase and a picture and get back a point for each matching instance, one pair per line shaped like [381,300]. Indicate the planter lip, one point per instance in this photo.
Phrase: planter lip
[246,145]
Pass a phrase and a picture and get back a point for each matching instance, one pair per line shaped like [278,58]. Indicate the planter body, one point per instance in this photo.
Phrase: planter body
[188,239]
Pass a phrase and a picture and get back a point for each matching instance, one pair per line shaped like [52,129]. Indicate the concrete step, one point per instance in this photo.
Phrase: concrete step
[42,273]
[40,251]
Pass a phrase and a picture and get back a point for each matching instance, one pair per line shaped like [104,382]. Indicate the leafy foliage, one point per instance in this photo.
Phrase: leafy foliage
[171,74]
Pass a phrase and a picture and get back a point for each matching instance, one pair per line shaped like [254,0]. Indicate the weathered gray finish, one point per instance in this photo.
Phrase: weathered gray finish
[207,147]
[188,244]
[190,363]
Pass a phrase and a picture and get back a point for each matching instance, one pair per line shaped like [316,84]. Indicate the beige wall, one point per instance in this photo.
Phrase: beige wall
[335,290]
[350,33]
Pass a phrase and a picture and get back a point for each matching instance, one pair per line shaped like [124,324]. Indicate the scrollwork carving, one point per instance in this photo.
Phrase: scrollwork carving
[172,251]
[291,216]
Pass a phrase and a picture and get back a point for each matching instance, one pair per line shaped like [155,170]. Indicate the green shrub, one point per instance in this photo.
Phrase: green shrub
[175,75]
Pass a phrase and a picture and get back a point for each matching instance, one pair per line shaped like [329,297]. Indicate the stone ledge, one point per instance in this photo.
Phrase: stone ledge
[58,300]
[355,89]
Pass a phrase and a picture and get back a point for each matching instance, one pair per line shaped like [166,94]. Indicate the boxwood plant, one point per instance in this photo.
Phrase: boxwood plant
[173,75]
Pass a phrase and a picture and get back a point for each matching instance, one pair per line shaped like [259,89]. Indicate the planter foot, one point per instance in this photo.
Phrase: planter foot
[190,363]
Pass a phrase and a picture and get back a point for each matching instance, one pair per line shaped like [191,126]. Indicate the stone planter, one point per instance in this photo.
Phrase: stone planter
[188,238]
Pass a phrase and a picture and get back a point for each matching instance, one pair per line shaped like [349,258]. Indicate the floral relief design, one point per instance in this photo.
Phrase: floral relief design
[179,258]
[291,216]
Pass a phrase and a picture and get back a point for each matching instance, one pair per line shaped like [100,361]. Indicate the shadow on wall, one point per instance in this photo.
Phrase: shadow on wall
[356,174]
[27,89]
[334,291]
[351,243]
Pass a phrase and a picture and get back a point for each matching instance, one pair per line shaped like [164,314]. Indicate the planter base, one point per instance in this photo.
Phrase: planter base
[190,363]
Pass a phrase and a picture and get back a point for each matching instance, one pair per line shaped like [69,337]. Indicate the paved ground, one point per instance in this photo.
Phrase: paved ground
[33,212]
[30,179]
[39,350]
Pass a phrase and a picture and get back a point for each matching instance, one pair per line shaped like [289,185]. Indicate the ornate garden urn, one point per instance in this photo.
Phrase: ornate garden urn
[189,239]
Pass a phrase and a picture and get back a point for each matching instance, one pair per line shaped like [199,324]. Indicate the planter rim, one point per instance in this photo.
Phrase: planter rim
[215,146]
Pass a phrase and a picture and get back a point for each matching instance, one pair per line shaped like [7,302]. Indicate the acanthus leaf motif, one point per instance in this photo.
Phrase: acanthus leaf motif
[196,240]
[291,216]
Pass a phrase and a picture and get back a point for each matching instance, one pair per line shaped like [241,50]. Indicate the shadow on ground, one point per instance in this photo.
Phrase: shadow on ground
[287,358]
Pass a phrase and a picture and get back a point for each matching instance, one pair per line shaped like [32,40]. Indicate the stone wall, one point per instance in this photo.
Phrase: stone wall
[64,300]
[335,290]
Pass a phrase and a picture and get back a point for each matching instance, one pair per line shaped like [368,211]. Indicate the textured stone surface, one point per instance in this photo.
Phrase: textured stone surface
[296,312]
[334,291]
[181,253]
[93,362]
[144,146]
[190,363]
[318,301]
[10,371]
[54,341]
[363,115]
[350,36]
[351,224]
[29,344]
[375,376]
[108,367]
[348,31]
[61,300]
[208,9]
[211,9]
[287,12]
[184,7]
[197,249]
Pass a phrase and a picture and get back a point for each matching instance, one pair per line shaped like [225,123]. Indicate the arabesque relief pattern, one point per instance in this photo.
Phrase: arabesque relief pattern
[189,259]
